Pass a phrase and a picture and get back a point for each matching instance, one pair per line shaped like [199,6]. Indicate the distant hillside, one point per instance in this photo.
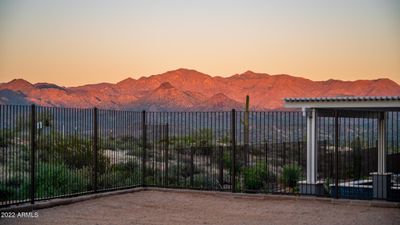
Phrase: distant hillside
[189,90]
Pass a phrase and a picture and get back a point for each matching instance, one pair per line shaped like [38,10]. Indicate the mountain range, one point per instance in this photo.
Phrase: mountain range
[189,90]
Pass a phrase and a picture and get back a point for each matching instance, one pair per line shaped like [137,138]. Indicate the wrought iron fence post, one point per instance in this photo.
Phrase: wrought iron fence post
[144,143]
[284,147]
[221,166]
[95,149]
[33,152]
[266,157]
[299,154]
[336,154]
[233,145]
[191,166]
[166,155]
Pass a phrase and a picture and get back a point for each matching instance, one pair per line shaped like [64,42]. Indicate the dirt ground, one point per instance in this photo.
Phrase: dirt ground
[155,207]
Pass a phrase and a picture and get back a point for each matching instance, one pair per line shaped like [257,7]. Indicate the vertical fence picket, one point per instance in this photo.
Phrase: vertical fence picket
[95,149]
[233,149]
[221,166]
[336,154]
[33,152]
[166,156]
[144,142]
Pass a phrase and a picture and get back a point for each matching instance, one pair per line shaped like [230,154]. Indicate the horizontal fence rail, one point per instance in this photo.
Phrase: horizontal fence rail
[48,152]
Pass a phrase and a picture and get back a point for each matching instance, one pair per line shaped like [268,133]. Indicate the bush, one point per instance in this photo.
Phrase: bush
[57,179]
[128,167]
[255,176]
[184,170]
[204,150]
[291,175]
[204,182]
[124,142]
[154,175]
[228,163]
[120,175]
[5,136]
[136,151]
[116,179]
[204,137]
[14,188]
[75,152]
[6,193]
[327,183]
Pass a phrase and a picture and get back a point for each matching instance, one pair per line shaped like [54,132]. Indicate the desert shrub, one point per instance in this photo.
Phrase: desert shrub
[138,152]
[150,180]
[25,154]
[6,192]
[117,178]
[204,150]
[228,163]
[177,142]
[4,138]
[124,142]
[225,139]
[58,179]
[327,183]
[227,159]
[153,175]
[255,176]
[204,137]
[14,187]
[291,175]
[204,182]
[73,151]
[128,167]
[112,179]
[184,170]
[120,175]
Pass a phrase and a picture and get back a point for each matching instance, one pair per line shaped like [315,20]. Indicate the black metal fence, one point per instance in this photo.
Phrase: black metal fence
[60,152]
[350,171]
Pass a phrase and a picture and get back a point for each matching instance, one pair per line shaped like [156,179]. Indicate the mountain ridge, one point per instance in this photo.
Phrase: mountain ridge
[187,89]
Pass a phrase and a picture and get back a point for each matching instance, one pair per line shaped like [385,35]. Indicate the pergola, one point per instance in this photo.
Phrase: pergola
[355,106]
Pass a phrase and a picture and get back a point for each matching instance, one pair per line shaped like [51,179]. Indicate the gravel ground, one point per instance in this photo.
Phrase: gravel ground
[156,207]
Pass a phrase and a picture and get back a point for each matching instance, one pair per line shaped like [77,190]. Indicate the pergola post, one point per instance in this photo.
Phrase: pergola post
[311,146]
[311,185]
[381,180]
[381,143]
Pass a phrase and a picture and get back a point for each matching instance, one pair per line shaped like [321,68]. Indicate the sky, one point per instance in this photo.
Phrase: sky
[76,42]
